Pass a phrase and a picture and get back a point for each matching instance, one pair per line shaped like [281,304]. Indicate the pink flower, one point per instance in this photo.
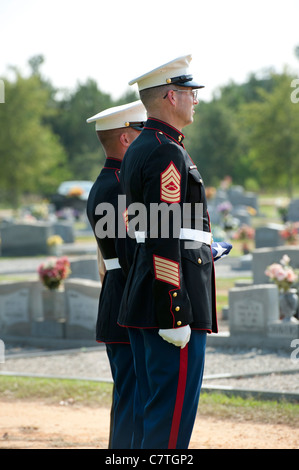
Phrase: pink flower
[53,271]
[282,274]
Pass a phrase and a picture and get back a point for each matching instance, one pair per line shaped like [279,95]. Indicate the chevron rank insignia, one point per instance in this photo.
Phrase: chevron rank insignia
[166,270]
[170,184]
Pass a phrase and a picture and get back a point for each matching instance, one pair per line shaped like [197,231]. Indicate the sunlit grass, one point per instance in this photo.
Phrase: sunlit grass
[99,394]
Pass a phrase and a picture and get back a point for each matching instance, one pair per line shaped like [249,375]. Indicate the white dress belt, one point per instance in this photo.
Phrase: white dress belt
[185,234]
[112,263]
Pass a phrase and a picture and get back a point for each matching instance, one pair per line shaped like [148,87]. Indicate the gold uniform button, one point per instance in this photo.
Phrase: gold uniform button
[179,323]
[177,309]
[174,294]
[199,261]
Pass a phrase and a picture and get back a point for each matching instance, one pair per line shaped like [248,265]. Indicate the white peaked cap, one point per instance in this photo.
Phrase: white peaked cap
[176,71]
[127,115]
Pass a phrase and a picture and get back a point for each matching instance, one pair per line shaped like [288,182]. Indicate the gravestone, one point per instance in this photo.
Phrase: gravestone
[25,239]
[252,308]
[281,329]
[15,308]
[240,213]
[293,211]
[65,230]
[263,257]
[238,197]
[269,236]
[82,298]
[85,267]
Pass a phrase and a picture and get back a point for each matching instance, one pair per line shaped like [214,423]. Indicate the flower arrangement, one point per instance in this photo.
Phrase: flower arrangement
[226,182]
[244,233]
[282,274]
[224,207]
[251,210]
[290,233]
[54,271]
[54,240]
[40,211]
[210,192]
[75,191]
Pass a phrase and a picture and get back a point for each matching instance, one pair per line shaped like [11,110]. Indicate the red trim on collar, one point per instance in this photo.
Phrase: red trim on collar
[114,158]
[166,123]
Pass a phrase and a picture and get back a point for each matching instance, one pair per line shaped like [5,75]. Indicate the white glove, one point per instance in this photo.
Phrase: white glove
[176,336]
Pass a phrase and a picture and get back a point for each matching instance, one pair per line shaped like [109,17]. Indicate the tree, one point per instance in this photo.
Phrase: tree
[273,125]
[213,141]
[31,155]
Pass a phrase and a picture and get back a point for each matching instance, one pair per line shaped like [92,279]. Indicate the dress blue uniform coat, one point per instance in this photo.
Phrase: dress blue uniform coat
[170,284]
[106,190]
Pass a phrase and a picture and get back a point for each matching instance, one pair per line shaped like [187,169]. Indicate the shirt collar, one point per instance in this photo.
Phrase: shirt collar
[167,129]
[113,163]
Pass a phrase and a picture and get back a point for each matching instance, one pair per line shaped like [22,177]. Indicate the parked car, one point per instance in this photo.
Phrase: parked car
[72,194]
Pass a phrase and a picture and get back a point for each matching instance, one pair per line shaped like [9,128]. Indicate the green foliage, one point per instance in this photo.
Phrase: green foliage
[248,131]
[273,137]
[30,152]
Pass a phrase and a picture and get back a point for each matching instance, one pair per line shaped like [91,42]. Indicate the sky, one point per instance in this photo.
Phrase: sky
[114,41]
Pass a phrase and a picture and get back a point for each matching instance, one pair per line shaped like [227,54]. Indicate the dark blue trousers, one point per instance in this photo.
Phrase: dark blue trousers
[168,387]
[122,415]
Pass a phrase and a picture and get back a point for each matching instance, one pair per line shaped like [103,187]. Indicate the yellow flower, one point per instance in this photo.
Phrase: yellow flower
[251,210]
[54,240]
[75,191]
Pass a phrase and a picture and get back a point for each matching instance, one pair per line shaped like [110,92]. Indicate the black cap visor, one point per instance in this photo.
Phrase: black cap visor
[137,125]
[186,81]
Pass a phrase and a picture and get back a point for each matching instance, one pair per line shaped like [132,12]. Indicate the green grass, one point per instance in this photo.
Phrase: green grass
[222,287]
[55,390]
[248,409]
[95,394]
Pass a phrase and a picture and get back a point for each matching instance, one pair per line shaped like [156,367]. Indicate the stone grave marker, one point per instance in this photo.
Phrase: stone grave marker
[82,298]
[85,267]
[25,239]
[263,257]
[293,211]
[65,230]
[15,317]
[269,236]
[252,308]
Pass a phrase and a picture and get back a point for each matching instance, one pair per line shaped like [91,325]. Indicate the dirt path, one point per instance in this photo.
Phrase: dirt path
[34,425]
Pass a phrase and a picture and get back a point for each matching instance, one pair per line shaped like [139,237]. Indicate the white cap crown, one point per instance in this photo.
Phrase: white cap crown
[127,115]
[176,71]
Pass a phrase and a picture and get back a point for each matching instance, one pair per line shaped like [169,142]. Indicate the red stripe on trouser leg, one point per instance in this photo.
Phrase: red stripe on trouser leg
[176,419]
